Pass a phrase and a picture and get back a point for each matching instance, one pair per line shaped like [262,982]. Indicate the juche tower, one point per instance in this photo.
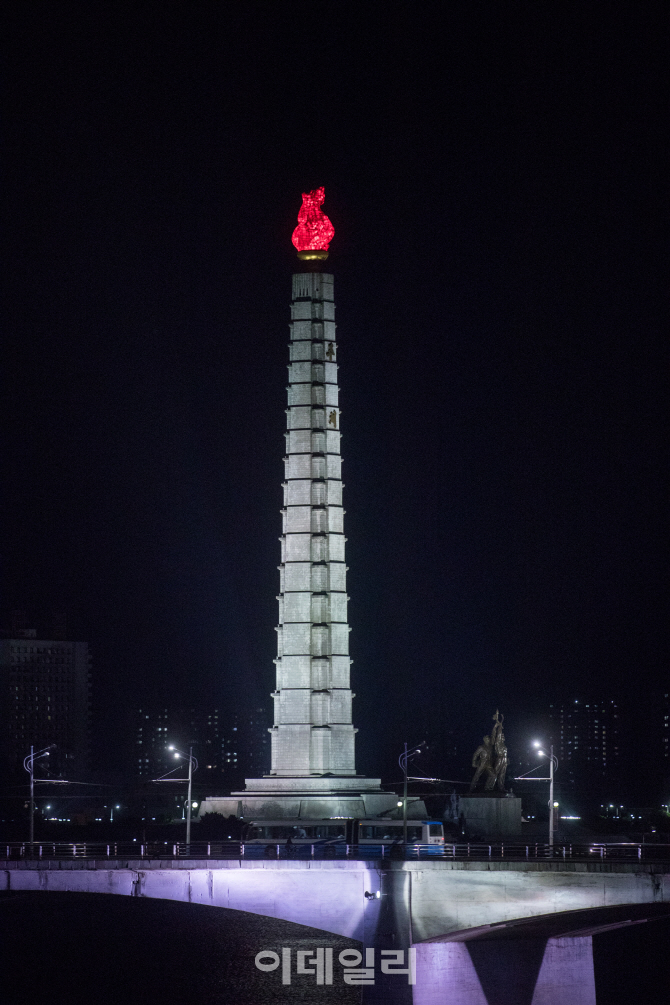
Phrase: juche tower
[312,772]
[313,733]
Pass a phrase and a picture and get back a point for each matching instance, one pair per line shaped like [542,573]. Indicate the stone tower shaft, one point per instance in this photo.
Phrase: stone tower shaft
[313,732]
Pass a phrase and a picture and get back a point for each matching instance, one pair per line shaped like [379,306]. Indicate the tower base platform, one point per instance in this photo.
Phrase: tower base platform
[308,798]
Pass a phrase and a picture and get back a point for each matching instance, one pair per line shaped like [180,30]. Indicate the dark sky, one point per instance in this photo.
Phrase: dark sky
[497,178]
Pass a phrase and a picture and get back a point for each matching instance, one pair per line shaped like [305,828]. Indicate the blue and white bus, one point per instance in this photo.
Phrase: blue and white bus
[339,834]
[382,831]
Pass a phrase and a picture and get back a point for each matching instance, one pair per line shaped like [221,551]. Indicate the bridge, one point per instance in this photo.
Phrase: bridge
[473,923]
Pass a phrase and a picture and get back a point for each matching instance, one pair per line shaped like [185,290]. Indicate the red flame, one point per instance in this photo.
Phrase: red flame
[314,231]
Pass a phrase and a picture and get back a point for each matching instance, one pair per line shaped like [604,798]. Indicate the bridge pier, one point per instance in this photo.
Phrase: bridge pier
[506,972]
[478,971]
[388,925]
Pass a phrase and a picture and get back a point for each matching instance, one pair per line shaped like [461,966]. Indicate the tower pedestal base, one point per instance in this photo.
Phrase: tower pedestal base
[314,798]
[491,815]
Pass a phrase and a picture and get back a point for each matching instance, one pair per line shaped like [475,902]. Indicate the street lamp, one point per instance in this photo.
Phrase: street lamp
[403,761]
[29,765]
[192,766]
[553,766]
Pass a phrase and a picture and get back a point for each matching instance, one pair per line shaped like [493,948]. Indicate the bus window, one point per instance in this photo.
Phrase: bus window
[369,832]
[435,830]
[298,830]
[328,832]
[389,832]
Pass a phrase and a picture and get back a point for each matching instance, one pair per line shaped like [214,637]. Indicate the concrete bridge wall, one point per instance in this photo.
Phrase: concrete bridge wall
[322,896]
[466,895]
[438,898]
[443,908]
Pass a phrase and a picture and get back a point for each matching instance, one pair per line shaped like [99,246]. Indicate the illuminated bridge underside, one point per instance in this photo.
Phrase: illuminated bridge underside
[450,901]
[484,933]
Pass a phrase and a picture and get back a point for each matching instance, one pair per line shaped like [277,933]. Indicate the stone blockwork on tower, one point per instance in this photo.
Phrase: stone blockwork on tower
[312,774]
[313,732]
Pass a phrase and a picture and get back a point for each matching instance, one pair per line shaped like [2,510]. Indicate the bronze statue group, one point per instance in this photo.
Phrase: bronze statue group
[490,759]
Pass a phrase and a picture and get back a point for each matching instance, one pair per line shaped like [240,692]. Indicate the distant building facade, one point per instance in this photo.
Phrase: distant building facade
[157,728]
[587,741]
[45,699]
[226,746]
[252,741]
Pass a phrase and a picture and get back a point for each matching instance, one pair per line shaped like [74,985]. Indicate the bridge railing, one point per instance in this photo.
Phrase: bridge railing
[121,849]
[477,851]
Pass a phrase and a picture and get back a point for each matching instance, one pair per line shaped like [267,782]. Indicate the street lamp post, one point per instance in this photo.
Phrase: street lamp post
[404,799]
[188,808]
[551,796]
[192,766]
[528,777]
[29,765]
[553,764]
[403,760]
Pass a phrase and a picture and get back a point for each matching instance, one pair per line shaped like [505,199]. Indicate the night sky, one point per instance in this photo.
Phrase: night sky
[497,178]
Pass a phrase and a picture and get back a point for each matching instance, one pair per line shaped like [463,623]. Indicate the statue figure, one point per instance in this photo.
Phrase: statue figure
[500,753]
[490,758]
[482,761]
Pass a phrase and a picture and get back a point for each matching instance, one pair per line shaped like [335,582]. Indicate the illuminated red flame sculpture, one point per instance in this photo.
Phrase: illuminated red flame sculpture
[314,231]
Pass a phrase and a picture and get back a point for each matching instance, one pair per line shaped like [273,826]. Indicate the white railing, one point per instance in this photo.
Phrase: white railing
[504,851]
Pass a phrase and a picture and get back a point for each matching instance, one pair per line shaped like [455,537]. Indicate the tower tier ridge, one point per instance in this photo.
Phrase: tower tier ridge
[312,733]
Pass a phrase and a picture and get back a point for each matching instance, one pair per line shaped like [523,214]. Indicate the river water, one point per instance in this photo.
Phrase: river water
[92,949]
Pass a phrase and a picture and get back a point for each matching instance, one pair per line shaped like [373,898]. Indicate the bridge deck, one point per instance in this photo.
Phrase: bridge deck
[135,863]
[344,897]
